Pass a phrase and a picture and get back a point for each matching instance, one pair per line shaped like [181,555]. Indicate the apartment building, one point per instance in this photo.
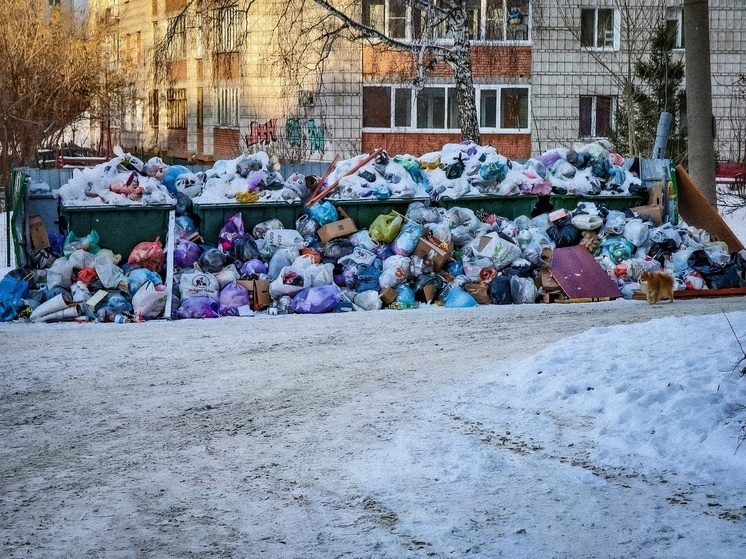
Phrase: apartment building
[545,74]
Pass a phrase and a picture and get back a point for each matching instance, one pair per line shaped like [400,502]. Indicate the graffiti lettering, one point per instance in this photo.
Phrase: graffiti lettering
[316,136]
[262,133]
[293,132]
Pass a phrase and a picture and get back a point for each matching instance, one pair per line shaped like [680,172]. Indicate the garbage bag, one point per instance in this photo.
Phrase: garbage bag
[386,227]
[260,229]
[432,280]
[407,239]
[289,282]
[149,302]
[232,297]
[501,292]
[253,268]
[89,243]
[232,230]
[522,290]
[137,277]
[186,253]
[564,233]
[337,249]
[284,238]
[368,276]
[315,300]
[110,275]
[636,232]
[227,275]
[405,294]
[244,248]
[457,298]
[717,276]
[199,307]
[500,251]
[367,300]
[618,249]
[148,254]
[323,213]
[306,226]
[198,284]
[212,260]
[12,293]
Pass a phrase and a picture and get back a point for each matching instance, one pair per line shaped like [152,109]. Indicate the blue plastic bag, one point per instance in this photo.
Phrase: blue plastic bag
[12,293]
[458,299]
[407,239]
[173,173]
[323,213]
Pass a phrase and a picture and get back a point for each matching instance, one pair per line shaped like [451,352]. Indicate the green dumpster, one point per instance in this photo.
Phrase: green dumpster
[212,217]
[570,202]
[363,212]
[483,205]
[119,228]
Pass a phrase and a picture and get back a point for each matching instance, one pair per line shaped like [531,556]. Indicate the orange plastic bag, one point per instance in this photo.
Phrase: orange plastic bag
[148,254]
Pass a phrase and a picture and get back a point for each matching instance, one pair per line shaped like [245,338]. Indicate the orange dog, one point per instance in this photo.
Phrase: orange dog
[657,286]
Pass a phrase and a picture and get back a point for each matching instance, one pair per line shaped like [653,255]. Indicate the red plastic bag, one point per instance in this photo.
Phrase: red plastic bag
[148,255]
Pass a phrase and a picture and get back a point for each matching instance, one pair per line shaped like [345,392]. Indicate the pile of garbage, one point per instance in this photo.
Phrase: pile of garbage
[322,263]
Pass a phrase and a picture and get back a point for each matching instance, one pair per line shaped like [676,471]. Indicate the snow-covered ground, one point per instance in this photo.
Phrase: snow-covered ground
[605,430]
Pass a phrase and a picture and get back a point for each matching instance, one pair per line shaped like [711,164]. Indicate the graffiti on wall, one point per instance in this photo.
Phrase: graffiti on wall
[295,133]
[262,133]
[313,133]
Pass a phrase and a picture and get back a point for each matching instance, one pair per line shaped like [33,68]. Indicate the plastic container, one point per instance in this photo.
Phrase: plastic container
[119,228]
[570,202]
[363,212]
[212,217]
[504,206]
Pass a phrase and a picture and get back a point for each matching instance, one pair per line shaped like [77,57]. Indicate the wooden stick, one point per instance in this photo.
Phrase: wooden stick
[332,187]
[320,182]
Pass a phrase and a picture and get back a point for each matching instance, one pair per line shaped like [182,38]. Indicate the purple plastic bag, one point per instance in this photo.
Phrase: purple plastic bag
[232,230]
[186,253]
[315,300]
[233,296]
[253,267]
[198,307]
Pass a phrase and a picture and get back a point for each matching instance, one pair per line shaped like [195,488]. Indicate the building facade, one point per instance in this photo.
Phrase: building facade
[546,74]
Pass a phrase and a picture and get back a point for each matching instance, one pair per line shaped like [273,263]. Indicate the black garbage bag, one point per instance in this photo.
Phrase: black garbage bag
[337,248]
[424,281]
[638,190]
[184,204]
[245,249]
[500,291]
[717,276]
[455,169]
[212,260]
[658,250]
[564,233]
[522,270]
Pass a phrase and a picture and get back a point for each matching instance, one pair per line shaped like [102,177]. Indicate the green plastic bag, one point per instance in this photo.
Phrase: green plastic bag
[386,227]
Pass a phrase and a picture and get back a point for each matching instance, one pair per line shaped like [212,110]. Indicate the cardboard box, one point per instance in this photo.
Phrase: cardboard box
[38,233]
[480,292]
[558,214]
[655,212]
[337,229]
[259,297]
[437,254]
[96,301]
[388,296]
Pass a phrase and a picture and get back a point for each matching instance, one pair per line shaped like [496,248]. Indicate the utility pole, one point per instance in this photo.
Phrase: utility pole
[700,120]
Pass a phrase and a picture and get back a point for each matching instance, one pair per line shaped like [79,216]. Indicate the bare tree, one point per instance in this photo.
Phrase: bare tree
[51,74]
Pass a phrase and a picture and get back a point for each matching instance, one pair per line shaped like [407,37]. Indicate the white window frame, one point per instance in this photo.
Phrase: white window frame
[677,15]
[594,112]
[226,103]
[226,20]
[616,28]
[450,95]
[505,6]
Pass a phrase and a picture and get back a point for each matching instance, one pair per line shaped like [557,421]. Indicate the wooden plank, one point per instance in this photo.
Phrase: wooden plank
[580,276]
[696,210]
[700,293]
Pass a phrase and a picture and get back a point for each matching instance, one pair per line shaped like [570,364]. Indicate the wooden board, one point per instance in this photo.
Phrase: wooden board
[699,293]
[696,210]
[580,276]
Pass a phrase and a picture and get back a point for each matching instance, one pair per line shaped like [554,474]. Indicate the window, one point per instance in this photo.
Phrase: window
[597,28]
[177,38]
[226,29]
[200,108]
[596,116]
[675,26]
[176,108]
[153,113]
[54,2]
[487,20]
[503,108]
[227,105]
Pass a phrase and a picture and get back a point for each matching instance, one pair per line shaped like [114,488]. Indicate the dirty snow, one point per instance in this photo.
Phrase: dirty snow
[570,431]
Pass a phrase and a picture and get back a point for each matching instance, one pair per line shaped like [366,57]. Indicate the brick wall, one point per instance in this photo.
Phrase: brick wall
[488,61]
[513,146]
[227,143]
[177,143]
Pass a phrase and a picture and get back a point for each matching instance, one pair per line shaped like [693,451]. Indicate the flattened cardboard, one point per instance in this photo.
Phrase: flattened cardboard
[580,276]
[388,296]
[96,301]
[259,290]
[696,210]
[38,233]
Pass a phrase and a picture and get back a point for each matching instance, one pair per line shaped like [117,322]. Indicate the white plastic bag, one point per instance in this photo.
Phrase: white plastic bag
[195,283]
[497,249]
[149,302]
[284,238]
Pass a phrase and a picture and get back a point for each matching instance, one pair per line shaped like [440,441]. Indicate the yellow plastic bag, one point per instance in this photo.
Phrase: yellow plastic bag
[386,227]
